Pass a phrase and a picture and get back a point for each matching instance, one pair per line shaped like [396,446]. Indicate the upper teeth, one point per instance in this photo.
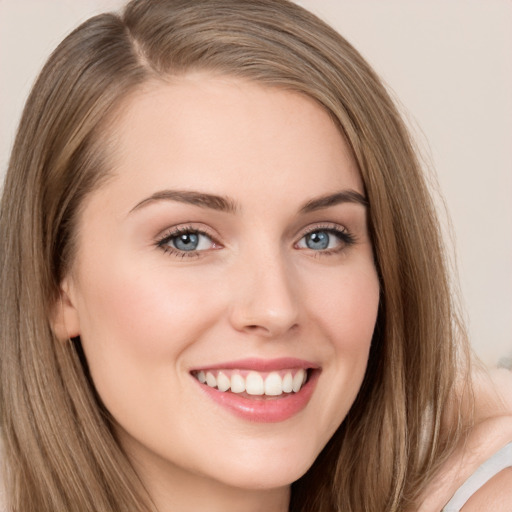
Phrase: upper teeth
[254,383]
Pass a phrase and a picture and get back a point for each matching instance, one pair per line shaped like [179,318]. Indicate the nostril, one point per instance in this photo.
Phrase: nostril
[257,329]
[270,330]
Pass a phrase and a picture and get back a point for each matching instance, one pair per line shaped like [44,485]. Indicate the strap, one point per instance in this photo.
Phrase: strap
[491,467]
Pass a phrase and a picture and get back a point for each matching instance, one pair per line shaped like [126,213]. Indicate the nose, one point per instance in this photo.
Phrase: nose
[265,298]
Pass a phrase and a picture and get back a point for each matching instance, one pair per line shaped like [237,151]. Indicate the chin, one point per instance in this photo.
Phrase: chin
[274,470]
[266,478]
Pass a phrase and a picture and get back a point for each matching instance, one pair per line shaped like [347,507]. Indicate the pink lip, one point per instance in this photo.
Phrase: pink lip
[258,408]
[261,365]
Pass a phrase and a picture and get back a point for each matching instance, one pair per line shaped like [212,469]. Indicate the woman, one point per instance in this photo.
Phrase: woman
[229,289]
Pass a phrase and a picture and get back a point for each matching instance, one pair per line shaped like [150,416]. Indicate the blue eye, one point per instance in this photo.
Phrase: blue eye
[325,240]
[186,241]
[319,240]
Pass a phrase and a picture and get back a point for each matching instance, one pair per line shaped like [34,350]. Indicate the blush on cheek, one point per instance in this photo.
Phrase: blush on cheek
[350,311]
[150,316]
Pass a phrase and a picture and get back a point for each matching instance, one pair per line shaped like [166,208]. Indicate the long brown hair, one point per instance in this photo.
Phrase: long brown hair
[59,447]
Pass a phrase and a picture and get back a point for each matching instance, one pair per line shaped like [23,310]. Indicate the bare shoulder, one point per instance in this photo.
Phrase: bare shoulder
[495,495]
[482,443]
[492,430]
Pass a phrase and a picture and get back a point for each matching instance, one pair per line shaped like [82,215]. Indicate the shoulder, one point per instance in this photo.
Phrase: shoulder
[495,495]
[491,432]
[485,440]
[489,484]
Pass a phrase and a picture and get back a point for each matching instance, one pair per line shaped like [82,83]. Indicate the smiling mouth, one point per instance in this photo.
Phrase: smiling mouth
[254,384]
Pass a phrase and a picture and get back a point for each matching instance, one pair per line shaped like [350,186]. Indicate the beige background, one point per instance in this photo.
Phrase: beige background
[449,62]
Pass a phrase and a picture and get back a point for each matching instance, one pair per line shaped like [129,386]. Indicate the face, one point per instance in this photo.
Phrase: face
[224,287]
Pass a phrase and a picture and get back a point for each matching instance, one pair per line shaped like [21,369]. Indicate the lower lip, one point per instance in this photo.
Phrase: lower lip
[261,408]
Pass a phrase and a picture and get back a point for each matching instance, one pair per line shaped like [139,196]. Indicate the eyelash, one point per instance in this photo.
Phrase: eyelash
[346,238]
[163,242]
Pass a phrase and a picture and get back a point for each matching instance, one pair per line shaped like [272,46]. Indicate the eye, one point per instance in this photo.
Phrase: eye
[325,239]
[186,240]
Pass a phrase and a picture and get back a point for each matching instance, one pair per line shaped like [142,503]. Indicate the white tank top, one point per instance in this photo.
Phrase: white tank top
[491,467]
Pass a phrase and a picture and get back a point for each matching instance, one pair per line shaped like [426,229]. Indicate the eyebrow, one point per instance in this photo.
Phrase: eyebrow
[201,199]
[225,204]
[344,196]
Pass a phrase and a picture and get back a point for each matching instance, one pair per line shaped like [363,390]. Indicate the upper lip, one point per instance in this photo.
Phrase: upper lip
[261,365]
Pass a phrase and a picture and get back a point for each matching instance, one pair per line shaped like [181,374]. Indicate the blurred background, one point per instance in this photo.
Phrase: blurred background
[449,67]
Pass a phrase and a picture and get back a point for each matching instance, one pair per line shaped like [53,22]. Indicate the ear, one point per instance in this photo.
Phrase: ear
[65,321]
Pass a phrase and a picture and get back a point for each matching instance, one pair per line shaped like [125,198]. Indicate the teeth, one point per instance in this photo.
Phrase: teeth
[298,379]
[271,384]
[211,380]
[237,383]
[288,383]
[223,382]
[254,384]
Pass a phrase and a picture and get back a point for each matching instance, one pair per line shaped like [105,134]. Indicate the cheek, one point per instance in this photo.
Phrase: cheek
[135,322]
[344,309]
[347,308]
[136,326]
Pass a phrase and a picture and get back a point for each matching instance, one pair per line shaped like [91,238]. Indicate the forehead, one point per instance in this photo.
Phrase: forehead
[204,132]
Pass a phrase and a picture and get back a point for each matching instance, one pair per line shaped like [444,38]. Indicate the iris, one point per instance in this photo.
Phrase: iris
[318,240]
[186,242]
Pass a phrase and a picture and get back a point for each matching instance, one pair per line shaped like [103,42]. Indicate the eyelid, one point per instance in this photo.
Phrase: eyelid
[346,237]
[174,231]
[323,226]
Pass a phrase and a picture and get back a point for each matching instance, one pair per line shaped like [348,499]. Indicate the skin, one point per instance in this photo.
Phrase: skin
[492,414]
[147,316]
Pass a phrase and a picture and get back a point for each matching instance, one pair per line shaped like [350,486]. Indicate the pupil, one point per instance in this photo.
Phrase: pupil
[187,242]
[318,240]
